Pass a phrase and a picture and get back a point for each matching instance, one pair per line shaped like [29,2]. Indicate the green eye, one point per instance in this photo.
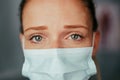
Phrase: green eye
[36,38]
[76,36]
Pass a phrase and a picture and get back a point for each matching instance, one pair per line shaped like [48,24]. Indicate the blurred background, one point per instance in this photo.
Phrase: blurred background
[11,56]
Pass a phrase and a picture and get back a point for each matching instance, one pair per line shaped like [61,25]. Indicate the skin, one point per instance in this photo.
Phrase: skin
[57,24]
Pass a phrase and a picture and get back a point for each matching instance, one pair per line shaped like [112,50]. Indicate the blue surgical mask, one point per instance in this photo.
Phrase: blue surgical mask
[59,64]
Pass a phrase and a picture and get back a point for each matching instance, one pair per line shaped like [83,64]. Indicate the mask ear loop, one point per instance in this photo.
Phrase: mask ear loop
[93,40]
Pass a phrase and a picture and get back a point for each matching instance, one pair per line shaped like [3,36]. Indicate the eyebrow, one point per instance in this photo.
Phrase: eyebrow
[75,26]
[45,27]
[37,28]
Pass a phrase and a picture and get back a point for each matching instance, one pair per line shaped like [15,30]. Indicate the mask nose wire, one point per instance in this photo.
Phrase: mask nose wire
[93,41]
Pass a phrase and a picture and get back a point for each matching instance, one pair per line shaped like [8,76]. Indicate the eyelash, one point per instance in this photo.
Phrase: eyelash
[42,37]
[34,36]
[76,33]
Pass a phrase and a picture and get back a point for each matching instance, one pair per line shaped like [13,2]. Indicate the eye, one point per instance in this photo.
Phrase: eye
[36,38]
[75,37]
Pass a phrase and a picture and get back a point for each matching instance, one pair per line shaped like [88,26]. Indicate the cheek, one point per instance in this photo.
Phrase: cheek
[28,45]
[87,42]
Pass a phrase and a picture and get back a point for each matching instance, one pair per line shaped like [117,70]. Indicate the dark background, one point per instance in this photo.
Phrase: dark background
[11,56]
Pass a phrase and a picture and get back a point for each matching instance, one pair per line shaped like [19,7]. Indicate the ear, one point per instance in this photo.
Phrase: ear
[95,48]
[96,43]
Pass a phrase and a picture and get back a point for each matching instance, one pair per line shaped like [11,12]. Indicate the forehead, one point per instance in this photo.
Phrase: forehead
[56,5]
[52,11]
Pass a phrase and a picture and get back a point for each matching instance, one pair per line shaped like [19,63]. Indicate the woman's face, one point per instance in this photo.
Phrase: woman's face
[56,24]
